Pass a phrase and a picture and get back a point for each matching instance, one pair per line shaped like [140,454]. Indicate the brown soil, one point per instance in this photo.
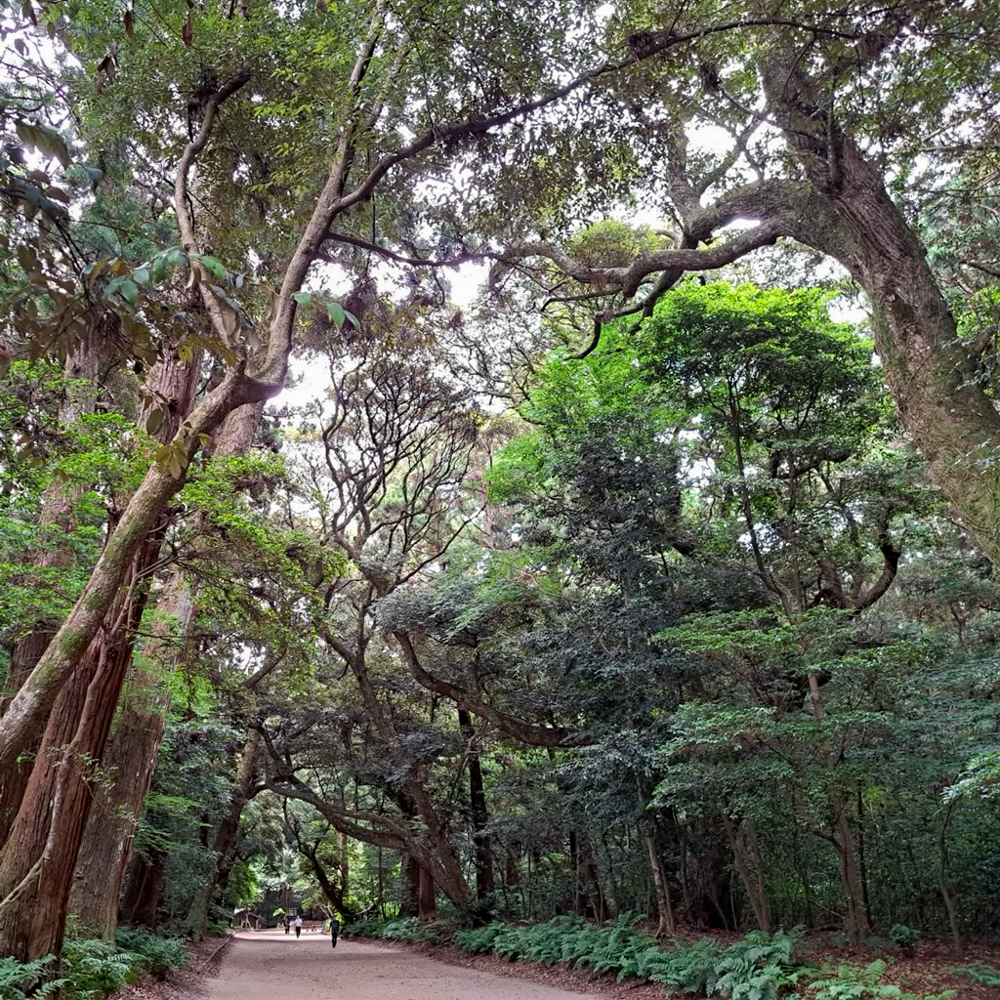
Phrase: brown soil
[205,958]
[267,965]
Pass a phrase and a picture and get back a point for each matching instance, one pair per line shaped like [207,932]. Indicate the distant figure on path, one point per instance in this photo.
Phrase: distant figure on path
[287,922]
[334,930]
[298,926]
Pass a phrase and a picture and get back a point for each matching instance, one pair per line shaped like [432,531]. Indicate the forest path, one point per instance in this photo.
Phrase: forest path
[267,965]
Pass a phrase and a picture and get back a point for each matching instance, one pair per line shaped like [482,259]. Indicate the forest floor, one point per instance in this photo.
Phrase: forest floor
[268,965]
[205,958]
[931,968]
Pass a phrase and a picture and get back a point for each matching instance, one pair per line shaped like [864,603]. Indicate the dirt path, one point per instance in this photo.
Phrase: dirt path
[267,965]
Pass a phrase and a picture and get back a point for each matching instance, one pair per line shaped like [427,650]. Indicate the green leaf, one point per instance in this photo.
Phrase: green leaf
[336,312]
[213,264]
[129,291]
[303,298]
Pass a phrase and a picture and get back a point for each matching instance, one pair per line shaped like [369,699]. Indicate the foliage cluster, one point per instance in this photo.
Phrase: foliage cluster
[757,967]
[91,969]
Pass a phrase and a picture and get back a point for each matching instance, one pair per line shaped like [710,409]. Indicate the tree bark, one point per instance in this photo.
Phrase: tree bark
[485,880]
[32,704]
[409,889]
[750,874]
[143,889]
[849,215]
[666,924]
[45,837]
[131,758]
[56,522]
[426,896]
[106,849]
[226,835]
[334,894]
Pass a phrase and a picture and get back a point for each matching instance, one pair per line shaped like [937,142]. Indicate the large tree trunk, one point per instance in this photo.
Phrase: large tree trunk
[36,866]
[848,214]
[409,885]
[56,523]
[426,896]
[131,757]
[129,762]
[41,850]
[31,706]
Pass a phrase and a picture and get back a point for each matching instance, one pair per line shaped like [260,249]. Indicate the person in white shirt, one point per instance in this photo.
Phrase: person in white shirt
[298,925]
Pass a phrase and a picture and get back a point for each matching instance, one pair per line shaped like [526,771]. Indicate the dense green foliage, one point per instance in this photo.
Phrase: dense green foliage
[635,587]
[91,970]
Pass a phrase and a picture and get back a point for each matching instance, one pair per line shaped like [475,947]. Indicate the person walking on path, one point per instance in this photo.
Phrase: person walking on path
[298,926]
[334,930]
[286,922]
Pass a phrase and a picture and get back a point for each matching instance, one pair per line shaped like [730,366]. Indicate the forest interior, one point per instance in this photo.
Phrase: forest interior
[514,480]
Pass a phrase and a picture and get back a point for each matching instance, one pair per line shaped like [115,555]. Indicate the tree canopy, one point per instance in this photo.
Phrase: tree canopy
[499,461]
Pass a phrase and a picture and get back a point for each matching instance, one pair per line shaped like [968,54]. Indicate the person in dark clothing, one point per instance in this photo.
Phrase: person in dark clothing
[287,923]
[334,930]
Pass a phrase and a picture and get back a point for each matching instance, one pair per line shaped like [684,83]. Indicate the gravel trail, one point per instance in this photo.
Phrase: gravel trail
[267,965]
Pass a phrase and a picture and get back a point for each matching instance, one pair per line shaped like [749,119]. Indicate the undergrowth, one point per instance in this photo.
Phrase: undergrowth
[393,929]
[757,967]
[90,968]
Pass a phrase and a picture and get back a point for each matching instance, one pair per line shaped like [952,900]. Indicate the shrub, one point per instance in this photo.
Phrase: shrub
[21,980]
[985,975]
[754,968]
[94,968]
[372,927]
[904,937]
[159,954]
[853,983]
[480,940]
[398,929]
[688,968]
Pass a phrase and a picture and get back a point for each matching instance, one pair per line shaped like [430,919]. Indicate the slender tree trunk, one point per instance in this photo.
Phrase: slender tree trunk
[666,926]
[946,894]
[426,897]
[863,859]
[226,835]
[143,889]
[857,922]
[485,881]
[334,895]
[753,882]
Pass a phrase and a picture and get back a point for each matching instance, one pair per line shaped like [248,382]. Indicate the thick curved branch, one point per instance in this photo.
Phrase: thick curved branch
[538,736]
[628,279]
[393,836]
